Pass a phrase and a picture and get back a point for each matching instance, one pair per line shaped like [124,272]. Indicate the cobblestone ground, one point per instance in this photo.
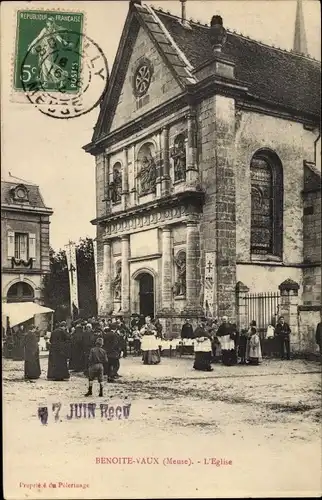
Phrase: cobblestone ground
[265,420]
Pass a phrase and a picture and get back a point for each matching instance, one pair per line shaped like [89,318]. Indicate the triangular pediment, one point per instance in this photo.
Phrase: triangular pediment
[144,46]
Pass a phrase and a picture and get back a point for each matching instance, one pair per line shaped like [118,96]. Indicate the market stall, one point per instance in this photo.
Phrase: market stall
[16,319]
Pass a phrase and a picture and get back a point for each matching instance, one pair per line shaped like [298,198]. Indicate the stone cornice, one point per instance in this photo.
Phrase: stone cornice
[185,208]
[27,209]
[258,105]
[195,93]
[25,271]
[265,263]
[146,257]
[196,196]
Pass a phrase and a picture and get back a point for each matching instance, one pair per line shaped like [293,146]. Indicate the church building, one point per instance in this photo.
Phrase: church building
[208,176]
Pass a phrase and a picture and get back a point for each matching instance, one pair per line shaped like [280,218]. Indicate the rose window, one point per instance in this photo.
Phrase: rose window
[142,79]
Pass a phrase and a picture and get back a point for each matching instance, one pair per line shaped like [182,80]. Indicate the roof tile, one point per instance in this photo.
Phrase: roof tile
[275,75]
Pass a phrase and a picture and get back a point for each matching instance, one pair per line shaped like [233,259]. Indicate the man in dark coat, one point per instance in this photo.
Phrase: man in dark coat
[31,354]
[283,331]
[59,354]
[113,347]
[187,330]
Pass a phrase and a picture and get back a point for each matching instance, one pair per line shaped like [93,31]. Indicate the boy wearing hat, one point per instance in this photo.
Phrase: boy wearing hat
[97,359]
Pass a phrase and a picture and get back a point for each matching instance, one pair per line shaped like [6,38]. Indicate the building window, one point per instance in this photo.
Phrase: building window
[142,77]
[21,246]
[20,292]
[266,204]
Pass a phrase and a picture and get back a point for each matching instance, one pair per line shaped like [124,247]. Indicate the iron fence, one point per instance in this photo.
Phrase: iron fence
[262,308]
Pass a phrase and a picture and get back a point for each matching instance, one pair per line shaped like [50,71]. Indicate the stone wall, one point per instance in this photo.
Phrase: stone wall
[163,85]
[308,320]
[216,124]
[292,143]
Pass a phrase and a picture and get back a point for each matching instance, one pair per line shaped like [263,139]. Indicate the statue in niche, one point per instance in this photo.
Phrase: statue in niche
[116,186]
[178,154]
[180,285]
[117,282]
[148,174]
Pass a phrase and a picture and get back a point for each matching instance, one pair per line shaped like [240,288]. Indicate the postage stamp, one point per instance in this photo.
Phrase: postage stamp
[41,35]
[60,70]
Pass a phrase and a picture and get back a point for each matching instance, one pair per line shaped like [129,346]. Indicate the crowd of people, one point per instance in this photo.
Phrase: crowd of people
[244,345]
[95,347]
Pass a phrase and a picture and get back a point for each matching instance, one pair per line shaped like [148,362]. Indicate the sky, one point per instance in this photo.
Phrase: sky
[49,152]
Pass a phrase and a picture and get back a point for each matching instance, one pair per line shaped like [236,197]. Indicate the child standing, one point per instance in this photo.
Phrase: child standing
[254,346]
[136,340]
[97,359]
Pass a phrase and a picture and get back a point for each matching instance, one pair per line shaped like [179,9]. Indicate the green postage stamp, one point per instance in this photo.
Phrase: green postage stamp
[43,54]
[58,68]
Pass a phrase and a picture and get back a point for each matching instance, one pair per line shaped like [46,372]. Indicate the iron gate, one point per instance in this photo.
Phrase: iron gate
[263,308]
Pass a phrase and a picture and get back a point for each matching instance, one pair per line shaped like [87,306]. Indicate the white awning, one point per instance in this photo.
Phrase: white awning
[18,312]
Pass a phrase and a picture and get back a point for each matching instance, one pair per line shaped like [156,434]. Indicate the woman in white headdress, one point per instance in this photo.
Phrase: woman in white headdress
[149,343]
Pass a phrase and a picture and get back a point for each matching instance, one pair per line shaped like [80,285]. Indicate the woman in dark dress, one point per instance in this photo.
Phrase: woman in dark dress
[59,354]
[31,354]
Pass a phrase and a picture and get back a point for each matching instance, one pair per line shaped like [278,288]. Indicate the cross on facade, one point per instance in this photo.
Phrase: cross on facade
[209,266]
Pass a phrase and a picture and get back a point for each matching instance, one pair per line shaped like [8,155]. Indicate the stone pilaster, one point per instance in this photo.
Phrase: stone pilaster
[125,299]
[165,174]
[192,174]
[106,298]
[166,285]
[125,180]
[225,204]
[242,319]
[289,309]
[193,307]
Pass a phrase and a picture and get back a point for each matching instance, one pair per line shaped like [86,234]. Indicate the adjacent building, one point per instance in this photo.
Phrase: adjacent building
[25,223]
[208,176]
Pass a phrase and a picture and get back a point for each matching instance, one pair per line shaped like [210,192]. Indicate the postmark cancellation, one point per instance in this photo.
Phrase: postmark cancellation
[57,67]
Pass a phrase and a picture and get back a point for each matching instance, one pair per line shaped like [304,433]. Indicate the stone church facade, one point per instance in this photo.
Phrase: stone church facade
[207,174]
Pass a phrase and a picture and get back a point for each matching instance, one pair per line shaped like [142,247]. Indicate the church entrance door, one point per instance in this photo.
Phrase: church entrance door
[146,294]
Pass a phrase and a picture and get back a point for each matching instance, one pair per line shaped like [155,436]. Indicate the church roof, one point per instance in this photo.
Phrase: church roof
[273,77]
[273,74]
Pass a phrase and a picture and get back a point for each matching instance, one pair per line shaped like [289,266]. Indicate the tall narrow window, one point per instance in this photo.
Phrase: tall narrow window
[266,204]
[21,246]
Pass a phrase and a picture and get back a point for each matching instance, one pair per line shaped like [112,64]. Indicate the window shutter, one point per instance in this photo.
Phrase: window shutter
[11,244]
[32,246]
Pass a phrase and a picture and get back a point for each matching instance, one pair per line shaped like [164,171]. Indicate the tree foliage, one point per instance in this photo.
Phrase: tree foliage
[56,282]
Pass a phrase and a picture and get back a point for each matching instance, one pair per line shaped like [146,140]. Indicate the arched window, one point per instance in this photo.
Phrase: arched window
[266,204]
[147,169]
[116,183]
[20,292]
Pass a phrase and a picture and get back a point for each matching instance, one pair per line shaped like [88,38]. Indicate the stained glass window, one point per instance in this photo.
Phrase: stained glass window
[266,206]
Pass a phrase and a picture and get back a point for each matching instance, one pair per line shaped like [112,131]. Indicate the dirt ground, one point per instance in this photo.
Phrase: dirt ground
[242,431]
